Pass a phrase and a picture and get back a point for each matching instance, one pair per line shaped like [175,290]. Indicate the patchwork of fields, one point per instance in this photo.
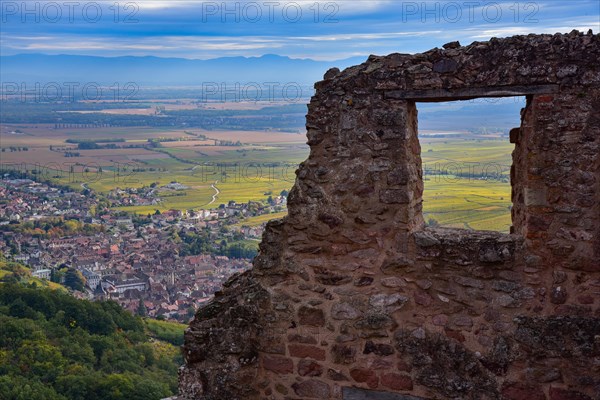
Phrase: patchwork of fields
[466,175]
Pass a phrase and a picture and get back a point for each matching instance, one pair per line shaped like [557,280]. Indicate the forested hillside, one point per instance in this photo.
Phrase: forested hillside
[56,347]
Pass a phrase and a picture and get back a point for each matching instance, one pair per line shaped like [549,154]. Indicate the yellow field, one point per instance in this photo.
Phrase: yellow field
[468,200]
[463,203]
[261,219]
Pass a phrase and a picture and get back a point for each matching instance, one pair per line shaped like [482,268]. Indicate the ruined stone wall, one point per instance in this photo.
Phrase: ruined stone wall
[352,298]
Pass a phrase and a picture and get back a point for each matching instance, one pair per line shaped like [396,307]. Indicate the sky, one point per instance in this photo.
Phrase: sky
[320,30]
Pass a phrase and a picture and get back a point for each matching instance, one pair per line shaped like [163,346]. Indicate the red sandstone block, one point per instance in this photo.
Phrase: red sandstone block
[313,389]
[456,335]
[311,316]
[517,391]
[280,365]
[309,368]
[403,366]
[544,99]
[537,235]
[380,363]
[397,381]
[422,298]
[585,299]
[363,375]
[564,394]
[302,339]
[300,351]
[336,375]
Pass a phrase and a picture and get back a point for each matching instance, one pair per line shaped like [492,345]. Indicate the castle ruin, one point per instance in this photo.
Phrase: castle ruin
[351,297]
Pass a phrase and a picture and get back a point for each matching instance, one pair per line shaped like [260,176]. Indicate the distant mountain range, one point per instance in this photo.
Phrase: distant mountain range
[156,71]
[160,73]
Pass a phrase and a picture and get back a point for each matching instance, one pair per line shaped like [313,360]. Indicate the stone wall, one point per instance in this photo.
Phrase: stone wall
[352,298]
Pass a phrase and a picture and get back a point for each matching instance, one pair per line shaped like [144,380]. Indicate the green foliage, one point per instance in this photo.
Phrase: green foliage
[13,273]
[202,242]
[54,227]
[78,141]
[74,280]
[21,388]
[432,223]
[141,309]
[88,146]
[171,332]
[240,249]
[55,347]
[14,269]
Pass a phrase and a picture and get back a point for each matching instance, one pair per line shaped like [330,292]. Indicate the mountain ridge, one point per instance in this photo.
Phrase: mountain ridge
[159,71]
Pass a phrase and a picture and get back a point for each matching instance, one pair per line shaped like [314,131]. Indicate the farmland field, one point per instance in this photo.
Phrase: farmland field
[261,219]
[262,164]
[467,183]
[466,174]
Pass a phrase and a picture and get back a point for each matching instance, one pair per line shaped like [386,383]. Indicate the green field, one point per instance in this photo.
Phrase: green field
[463,203]
[465,175]
[463,197]
[171,332]
[474,201]
[262,165]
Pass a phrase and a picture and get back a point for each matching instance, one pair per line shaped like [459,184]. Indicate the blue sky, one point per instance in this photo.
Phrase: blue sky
[339,29]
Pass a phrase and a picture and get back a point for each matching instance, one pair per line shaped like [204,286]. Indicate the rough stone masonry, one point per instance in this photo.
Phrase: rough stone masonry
[351,297]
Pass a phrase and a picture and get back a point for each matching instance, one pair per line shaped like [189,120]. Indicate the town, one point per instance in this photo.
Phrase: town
[162,265]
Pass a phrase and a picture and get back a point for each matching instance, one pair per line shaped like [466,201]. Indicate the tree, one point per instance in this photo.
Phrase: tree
[141,310]
[40,359]
[17,387]
[117,387]
[432,223]
[85,351]
[191,311]
[57,275]
[74,280]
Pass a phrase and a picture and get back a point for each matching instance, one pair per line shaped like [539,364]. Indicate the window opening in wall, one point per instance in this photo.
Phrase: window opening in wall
[467,157]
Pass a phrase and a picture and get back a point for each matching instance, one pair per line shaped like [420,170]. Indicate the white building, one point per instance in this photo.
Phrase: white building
[113,285]
[92,278]
[42,274]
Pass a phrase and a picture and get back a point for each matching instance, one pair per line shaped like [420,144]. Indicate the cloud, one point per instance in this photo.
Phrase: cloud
[365,36]
[161,4]
[176,28]
[346,6]
[153,44]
